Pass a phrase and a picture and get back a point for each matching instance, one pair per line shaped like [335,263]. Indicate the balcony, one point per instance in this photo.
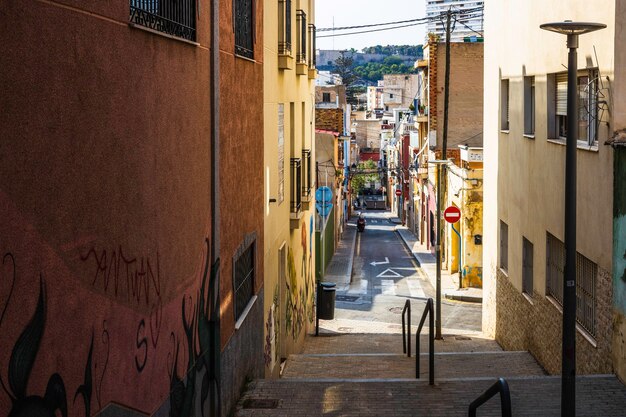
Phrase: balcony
[301,37]
[306,185]
[312,56]
[174,18]
[285,54]
[296,193]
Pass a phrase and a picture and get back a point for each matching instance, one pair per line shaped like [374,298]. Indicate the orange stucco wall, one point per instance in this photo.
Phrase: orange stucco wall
[104,200]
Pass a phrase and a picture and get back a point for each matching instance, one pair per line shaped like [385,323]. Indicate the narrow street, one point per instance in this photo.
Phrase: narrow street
[384,275]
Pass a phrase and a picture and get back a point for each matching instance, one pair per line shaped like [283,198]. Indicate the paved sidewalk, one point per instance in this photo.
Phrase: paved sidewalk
[339,270]
[427,261]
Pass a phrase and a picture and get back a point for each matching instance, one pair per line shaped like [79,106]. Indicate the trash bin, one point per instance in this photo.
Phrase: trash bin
[326,300]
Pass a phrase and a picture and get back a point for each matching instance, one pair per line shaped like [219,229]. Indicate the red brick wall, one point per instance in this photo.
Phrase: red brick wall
[104,199]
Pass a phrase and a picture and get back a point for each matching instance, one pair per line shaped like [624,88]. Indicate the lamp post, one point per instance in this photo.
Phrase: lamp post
[568,351]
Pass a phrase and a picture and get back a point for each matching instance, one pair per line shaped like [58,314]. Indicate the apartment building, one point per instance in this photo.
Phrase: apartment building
[525,121]
[116,208]
[289,177]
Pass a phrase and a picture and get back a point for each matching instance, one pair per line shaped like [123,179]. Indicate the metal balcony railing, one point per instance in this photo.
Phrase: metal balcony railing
[173,17]
[301,36]
[296,185]
[312,57]
[306,185]
[284,27]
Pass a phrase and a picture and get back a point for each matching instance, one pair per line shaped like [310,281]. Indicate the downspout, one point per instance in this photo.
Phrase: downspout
[215,400]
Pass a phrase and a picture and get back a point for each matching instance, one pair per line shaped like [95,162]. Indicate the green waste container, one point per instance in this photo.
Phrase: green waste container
[326,300]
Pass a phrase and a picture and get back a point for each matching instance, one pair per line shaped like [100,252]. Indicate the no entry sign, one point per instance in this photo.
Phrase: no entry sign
[452,214]
[398,192]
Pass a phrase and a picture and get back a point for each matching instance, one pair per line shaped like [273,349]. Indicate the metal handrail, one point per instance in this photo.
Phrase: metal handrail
[505,398]
[406,334]
[428,311]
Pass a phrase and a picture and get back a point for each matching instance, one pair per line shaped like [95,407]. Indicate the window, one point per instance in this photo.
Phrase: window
[312,58]
[244,28]
[586,272]
[504,105]
[306,185]
[284,27]
[504,246]
[173,17]
[301,35]
[529,105]
[281,153]
[326,97]
[587,83]
[244,274]
[390,95]
[527,267]
[296,185]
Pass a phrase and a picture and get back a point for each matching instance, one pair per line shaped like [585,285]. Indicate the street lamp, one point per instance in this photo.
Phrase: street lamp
[568,352]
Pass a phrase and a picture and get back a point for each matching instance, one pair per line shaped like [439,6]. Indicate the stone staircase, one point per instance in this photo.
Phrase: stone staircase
[368,375]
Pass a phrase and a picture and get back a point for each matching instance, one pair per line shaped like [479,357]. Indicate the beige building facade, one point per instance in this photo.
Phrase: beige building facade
[524,157]
[289,164]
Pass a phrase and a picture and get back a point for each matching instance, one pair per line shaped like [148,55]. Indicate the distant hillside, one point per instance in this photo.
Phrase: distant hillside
[375,61]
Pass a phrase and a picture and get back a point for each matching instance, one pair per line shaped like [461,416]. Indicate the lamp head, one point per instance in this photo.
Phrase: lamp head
[568,27]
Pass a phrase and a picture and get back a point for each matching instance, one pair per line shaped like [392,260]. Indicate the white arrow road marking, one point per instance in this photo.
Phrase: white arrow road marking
[388,273]
[415,288]
[380,263]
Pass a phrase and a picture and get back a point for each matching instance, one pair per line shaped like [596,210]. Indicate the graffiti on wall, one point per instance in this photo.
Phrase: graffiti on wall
[22,361]
[272,326]
[201,327]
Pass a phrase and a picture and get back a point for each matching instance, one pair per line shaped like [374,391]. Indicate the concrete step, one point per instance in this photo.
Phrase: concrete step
[530,396]
[392,343]
[383,366]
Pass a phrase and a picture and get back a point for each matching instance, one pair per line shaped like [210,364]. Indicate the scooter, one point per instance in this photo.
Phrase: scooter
[360,224]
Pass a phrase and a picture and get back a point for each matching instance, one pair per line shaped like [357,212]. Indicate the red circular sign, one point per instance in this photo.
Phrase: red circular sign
[398,192]
[452,214]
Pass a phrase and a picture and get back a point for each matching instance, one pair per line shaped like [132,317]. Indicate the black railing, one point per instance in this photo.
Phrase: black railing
[312,57]
[284,27]
[406,335]
[302,34]
[428,311]
[306,186]
[244,28]
[296,185]
[173,17]
[505,398]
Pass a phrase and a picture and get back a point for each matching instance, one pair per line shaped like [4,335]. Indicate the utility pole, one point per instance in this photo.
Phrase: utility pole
[441,175]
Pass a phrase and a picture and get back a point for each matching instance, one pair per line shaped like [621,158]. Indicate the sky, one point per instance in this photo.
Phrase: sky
[363,12]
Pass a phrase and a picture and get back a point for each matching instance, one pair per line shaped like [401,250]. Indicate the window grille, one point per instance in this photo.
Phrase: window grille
[306,185]
[527,267]
[296,185]
[284,27]
[529,105]
[173,17]
[586,273]
[301,30]
[504,246]
[243,282]
[244,28]
[312,56]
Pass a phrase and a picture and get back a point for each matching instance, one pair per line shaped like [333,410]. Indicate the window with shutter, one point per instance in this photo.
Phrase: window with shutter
[587,106]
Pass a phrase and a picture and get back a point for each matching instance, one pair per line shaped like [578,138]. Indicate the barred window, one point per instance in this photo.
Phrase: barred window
[504,246]
[244,22]
[243,277]
[527,267]
[586,273]
[173,17]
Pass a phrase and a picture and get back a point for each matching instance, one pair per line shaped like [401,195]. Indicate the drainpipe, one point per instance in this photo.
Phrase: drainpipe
[215,394]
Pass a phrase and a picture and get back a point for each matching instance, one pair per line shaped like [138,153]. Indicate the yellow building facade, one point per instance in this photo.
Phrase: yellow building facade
[289,164]
[524,143]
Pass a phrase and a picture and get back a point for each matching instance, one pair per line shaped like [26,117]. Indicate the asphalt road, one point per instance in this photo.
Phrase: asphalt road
[385,274]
